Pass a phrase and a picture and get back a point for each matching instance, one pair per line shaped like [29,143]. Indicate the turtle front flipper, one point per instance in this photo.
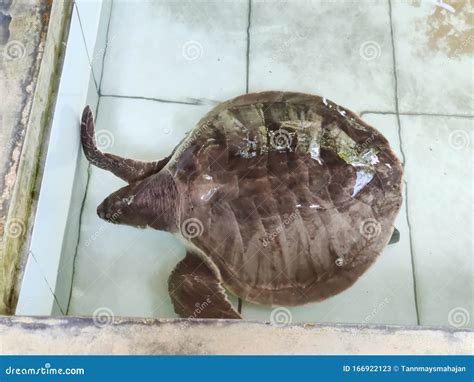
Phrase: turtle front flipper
[129,170]
[197,292]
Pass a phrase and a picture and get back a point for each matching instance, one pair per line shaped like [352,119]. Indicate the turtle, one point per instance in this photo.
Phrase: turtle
[280,198]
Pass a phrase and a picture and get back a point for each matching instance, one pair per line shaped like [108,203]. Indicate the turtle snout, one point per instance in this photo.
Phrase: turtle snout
[109,210]
[102,212]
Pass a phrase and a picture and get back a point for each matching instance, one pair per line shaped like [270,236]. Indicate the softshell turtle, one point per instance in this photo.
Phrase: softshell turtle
[280,198]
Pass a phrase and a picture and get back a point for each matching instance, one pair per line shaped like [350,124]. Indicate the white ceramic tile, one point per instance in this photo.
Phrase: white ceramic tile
[94,15]
[177,49]
[439,171]
[98,55]
[39,300]
[122,268]
[341,50]
[384,294]
[433,48]
[89,15]
[49,237]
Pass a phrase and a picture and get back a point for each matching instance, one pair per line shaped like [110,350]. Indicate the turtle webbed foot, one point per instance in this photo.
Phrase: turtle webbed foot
[197,292]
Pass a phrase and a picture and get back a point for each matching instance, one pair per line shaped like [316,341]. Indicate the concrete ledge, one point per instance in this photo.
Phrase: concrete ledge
[77,335]
[38,28]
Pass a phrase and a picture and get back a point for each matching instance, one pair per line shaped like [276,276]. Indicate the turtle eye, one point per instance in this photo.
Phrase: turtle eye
[128,200]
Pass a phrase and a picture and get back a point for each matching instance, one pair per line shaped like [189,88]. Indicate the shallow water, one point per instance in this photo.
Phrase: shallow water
[167,63]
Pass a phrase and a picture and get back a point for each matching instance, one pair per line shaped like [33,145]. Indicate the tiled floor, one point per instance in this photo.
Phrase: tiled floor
[376,58]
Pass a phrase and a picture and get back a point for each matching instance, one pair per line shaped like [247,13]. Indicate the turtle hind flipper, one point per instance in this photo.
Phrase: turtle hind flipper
[129,170]
[196,291]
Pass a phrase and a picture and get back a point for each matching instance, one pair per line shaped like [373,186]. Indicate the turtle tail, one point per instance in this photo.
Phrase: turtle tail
[129,170]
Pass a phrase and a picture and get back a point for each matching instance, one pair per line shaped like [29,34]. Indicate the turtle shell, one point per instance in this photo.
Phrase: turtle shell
[290,196]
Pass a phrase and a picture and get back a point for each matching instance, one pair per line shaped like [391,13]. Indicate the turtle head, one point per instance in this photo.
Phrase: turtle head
[151,202]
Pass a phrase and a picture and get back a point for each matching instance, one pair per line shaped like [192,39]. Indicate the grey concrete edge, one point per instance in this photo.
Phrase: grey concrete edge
[22,205]
[112,335]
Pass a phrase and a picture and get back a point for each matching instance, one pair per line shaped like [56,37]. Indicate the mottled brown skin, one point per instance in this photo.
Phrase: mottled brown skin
[278,224]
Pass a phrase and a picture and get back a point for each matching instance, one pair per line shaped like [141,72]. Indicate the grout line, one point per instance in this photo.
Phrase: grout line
[88,166]
[248,47]
[412,254]
[83,203]
[247,75]
[416,114]
[99,90]
[85,45]
[47,283]
[204,101]
[193,101]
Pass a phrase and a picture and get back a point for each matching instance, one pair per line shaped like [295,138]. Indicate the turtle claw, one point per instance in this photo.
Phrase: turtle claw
[395,238]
